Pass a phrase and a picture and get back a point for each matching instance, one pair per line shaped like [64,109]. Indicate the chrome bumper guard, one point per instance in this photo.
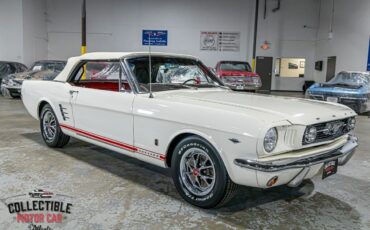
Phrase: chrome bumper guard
[343,154]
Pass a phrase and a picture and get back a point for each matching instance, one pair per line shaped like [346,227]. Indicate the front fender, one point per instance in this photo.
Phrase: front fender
[227,149]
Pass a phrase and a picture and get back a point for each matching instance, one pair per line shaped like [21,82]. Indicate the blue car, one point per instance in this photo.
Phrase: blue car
[349,88]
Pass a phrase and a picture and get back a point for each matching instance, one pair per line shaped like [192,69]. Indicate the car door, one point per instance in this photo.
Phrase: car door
[102,105]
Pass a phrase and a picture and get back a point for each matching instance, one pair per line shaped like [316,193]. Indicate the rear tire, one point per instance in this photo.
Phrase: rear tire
[200,175]
[50,129]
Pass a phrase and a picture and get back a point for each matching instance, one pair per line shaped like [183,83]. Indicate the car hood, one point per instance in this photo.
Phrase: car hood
[32,75]
[265,107]
[236,73]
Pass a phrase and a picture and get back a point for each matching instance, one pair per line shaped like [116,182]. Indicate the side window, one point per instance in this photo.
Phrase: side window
[102,75]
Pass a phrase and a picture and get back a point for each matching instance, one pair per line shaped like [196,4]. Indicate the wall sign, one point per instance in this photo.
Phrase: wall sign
[156,37]
[220,41]
[368,58]
[209,41]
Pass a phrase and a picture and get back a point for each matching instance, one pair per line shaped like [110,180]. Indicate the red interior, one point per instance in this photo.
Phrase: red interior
[103,85]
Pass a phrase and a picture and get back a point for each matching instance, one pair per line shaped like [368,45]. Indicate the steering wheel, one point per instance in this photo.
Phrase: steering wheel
[189,80]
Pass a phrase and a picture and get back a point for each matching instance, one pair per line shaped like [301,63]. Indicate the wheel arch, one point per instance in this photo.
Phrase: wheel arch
[186,133]
[41,104]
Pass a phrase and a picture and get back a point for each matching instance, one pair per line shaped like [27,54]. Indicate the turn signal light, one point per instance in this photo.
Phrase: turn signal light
[272,181]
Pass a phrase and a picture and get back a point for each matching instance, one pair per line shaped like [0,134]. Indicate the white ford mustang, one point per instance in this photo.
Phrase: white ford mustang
[212,138]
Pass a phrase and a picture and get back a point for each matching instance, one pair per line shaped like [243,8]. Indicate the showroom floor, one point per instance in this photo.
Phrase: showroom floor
[115,192]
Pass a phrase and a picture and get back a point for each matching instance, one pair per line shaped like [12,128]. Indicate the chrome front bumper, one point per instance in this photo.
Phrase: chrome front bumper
[14,89]
[243,85]
[342,154]
[360,105]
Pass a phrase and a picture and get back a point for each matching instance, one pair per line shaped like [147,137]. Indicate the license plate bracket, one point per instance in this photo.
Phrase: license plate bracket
[332,99]
[330,168]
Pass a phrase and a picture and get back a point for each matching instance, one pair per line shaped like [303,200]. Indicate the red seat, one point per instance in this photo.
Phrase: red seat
[102,85]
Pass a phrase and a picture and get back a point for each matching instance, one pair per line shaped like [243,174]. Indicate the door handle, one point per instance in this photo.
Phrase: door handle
[73,91]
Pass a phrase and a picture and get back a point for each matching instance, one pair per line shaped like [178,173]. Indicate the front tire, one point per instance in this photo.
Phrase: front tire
[50,129]
[200,175]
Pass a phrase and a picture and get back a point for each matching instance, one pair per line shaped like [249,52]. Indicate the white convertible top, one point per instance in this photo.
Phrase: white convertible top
[73,61]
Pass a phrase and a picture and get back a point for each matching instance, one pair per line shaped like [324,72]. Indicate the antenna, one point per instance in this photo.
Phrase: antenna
[150,67]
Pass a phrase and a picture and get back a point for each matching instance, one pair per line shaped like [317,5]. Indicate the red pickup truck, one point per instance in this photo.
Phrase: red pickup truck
[238,75]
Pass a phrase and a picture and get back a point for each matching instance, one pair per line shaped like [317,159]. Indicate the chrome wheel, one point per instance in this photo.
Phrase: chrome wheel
[197,171]
[49,125]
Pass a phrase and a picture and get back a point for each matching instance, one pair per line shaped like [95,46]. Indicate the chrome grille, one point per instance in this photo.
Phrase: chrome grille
[329,130]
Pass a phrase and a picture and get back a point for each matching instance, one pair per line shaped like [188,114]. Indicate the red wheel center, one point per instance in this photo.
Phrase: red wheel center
[195,172]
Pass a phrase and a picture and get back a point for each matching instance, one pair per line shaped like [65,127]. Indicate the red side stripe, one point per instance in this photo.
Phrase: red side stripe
[113,142]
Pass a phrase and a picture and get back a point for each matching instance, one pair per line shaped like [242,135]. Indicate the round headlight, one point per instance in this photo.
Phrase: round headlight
[310,134]
[351,123]
[270,140]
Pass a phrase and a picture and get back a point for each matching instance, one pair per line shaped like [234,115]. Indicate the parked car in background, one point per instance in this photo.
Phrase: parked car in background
[40,70]
[7,68]
[350,88]
[182,117]
[238,75]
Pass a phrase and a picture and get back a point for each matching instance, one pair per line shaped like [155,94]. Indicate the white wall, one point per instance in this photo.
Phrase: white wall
[34,31]
[23,36]
[285,31]
[116,25]
[40,29]
[350,42]
[11,32]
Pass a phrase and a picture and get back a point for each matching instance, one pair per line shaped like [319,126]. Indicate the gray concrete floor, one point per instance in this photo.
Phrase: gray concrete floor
[111,191]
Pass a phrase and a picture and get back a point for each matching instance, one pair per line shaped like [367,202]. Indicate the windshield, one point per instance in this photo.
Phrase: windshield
[238,66]
[54,66]
[348,78]
[169,73]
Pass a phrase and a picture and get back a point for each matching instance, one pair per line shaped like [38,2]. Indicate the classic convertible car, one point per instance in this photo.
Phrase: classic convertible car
[238,75]
[212,138]
[349,88]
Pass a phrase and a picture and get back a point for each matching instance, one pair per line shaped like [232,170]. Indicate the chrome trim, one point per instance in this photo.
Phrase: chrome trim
[130,77]
[322,97]
[297,180]
[343,154]
[354,98]
[316,96]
